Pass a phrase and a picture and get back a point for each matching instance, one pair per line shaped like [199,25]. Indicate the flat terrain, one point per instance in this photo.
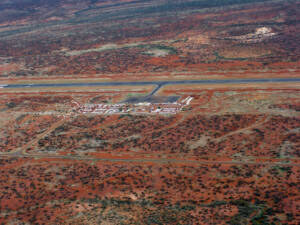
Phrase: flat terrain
[149,112]
[232,154]
[147,39]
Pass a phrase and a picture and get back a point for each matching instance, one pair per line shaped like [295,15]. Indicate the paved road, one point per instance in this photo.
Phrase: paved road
[158,83]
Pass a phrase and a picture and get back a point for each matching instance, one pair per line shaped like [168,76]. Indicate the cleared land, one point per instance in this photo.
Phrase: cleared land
[71,70]
[212,158]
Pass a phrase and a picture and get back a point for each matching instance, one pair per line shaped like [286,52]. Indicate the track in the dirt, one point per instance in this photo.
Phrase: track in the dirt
[142,160]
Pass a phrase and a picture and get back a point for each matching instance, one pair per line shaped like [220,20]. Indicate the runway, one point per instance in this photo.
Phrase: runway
[159,84]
